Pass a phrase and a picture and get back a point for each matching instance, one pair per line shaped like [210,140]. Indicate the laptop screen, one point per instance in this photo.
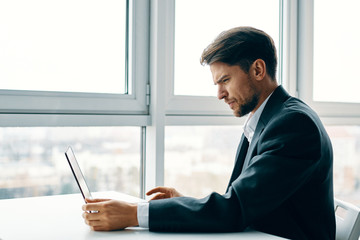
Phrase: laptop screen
[75,168]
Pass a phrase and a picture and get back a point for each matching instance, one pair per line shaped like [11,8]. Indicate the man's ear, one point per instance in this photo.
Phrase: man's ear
[259,69]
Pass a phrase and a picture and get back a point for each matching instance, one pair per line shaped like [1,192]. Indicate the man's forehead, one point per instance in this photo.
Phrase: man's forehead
[221,78]
[220,71]
[218,66]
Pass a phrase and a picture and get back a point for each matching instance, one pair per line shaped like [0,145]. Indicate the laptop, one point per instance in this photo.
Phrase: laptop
[79,177]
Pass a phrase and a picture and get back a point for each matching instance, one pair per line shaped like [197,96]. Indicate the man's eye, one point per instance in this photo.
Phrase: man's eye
[225,80]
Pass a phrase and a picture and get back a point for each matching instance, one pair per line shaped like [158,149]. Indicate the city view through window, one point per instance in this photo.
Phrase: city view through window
[33,163]
[198,159]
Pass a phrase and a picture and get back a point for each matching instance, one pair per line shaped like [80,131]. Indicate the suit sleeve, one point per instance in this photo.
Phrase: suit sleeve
[287,152]
[214,213]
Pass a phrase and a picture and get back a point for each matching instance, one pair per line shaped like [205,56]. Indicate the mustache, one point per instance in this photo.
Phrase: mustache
[229,100]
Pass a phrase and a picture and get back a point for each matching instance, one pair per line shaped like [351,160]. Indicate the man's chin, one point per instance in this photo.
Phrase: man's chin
[237,113]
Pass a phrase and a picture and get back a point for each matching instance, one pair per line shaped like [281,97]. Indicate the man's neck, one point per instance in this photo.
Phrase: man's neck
[265,94]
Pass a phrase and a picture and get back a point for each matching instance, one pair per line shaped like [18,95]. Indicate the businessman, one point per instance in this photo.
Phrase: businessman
[282,178]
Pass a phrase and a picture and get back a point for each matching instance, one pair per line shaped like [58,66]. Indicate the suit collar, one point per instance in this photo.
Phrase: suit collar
[273,105]
[275,102]
[253,119]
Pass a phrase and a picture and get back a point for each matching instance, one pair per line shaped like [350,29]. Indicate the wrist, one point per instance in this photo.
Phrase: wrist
[134,209]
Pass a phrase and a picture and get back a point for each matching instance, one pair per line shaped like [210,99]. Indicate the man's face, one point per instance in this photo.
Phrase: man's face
[236,88]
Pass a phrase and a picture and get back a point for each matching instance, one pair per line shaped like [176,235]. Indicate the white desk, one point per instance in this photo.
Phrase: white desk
[59,217]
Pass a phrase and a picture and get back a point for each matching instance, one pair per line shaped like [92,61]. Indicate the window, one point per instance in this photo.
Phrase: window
[336,51]
[195,155]
[33,163]
[198,25]
[346,145]
[191,29]
[73,73]
[66,46]
[199,159]
[326,47]
[73,57]
[151,78]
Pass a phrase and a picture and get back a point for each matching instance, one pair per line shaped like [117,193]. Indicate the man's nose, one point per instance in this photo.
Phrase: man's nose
[221,92]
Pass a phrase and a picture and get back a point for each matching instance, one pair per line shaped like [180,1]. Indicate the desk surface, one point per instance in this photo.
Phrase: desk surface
[59,217]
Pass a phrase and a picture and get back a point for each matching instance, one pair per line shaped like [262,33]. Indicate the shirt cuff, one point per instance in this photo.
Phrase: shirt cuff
[143,214]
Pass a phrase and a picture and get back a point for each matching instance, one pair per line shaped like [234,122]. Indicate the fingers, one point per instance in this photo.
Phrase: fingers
[99,228]
[157,189]
[111,215]
[93,204]
[159,196]
[152,191]
[89,200]
[90,216]
[91,207]
[164,192]
[91,219]
[95,225]
[161,193]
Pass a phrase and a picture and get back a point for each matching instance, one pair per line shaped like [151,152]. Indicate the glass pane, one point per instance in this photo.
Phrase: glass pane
[33,163]
[197,23]
[63,45]
[336,51]
[199,159]
[346,145]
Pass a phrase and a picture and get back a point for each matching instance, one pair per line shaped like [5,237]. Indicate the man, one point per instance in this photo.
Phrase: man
[282,179]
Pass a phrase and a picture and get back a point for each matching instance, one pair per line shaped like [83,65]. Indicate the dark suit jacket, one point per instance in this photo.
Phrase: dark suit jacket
[282,185]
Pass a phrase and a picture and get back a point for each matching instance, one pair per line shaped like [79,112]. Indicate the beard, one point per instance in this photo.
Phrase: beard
[250,103]
[248,106]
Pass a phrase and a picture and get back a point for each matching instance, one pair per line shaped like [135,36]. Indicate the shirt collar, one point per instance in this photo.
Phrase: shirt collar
[252,121]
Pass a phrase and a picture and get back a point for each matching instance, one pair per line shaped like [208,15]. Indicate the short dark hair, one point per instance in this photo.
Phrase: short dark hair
[242,46]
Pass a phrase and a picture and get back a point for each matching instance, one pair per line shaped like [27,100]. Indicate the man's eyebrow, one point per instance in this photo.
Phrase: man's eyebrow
[221,79]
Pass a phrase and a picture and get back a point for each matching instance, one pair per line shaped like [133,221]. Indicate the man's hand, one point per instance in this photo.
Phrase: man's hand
[110,215]
[164,192]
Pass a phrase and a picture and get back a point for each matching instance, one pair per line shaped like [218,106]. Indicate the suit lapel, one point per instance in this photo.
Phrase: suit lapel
[244,155]
[250,152]
[275,102]
[240,158]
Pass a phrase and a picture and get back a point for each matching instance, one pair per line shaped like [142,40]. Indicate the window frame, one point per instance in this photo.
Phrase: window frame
[178,105]
[187,110]
[331,112]
[36,108]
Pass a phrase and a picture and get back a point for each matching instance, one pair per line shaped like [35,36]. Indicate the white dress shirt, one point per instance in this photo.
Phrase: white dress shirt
[143,214]
[252,121]
[249,129]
